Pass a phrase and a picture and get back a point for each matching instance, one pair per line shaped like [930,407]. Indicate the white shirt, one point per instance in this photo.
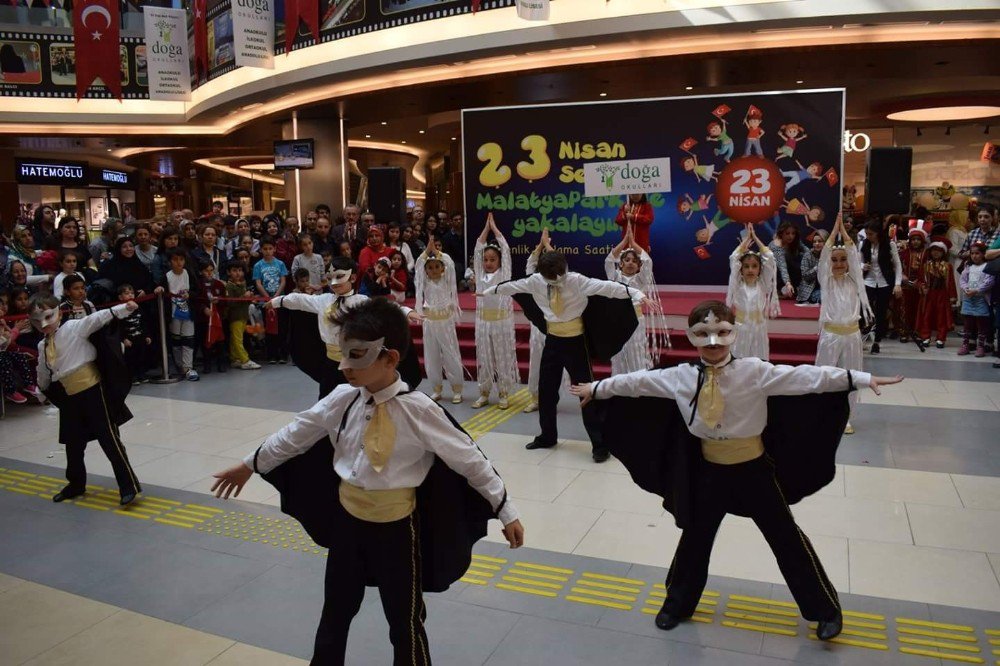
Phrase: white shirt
[422,431]
[486,280]
[874,277]
[844,298]
[313,264]
[746,383]
[575,291]
[73,349]
[57,283]
[322,305]
[178,285]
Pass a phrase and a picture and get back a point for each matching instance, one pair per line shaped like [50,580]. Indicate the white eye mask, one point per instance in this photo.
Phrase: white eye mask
[711,331]
[340,277]
[371,349]
[41,319]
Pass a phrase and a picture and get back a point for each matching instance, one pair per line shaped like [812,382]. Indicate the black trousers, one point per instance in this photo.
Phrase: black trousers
[332,377]
[571,354]
[89,409]
[751,486]
[388,556]
[878,298]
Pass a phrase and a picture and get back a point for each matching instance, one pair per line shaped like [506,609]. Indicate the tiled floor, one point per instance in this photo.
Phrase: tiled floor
[913,516]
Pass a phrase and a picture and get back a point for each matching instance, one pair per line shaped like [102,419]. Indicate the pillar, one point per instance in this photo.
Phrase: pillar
[324,183]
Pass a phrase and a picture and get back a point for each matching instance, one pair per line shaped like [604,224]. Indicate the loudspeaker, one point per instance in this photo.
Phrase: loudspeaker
[887,180]
[387,194]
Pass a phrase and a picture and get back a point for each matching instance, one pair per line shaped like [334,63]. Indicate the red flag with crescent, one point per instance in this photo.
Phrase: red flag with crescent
[200,11]
[96,26]
[688,144]
[308,12]
[475,5]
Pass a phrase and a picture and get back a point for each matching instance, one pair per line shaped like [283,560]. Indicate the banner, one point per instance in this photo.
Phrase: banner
[533,10]
[96,27]
[308,12]
[719,161]
[167,58]
[199,23]
[253,28]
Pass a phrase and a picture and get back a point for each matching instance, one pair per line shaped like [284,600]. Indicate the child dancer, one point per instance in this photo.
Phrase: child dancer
[237,314]
[629,264]
[496,360]
[977,286]
[844,304]
[391,444]
[702,450]
[938,295]
[90,406]
[536,339]
[437,302]
[752,295]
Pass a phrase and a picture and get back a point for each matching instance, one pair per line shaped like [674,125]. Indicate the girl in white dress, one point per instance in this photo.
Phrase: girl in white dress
[496,360]
[437,302]
[752,295]
[629,264]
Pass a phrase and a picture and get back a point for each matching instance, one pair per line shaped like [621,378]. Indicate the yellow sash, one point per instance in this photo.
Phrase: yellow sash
[493,314]
[566,329]
[731,451]
[638,311]
[437,314]
[378,506]
[756,317]
[841,329]
[333,352]
[81,379]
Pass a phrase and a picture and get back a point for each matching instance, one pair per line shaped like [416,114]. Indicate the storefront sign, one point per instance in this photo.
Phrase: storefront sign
[46,172]
[167,57]
[856,142]
[113,178]
[253,31]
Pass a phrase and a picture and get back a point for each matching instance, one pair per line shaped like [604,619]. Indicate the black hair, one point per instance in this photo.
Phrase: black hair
[718,308]
[551,265]
[177,252]
[320,207]
[266,240]
[235,263]
[494,248]
[38,301]
[122,287]
[305,236]
[300,273]
[71,280]
[202,265]
[342,263]
[373,319]
[65,253]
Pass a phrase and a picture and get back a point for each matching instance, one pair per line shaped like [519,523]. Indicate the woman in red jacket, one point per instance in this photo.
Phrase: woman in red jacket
[637,213]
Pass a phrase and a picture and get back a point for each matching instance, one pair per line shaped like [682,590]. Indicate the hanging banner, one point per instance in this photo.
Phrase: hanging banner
[167,58]
[706,165]
[199,21]
[533,10]
[305,10]
[96,26]
[253,30]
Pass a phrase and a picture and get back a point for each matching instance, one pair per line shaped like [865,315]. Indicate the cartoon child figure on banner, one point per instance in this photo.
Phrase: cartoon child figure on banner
[812,172]
[791,133]
[702,172]
[687,206]
[810,214]
[717,133]
[752,120]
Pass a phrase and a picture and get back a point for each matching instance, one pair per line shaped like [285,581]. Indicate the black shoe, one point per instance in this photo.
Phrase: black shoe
[875,348]
[538,443]
[666,621]
[222,366]
[996,365]
[127,498]
[828,629]
[601,455]
[69,492]
[939,344]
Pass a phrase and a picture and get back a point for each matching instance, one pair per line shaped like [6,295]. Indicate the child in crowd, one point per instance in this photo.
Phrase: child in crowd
[437,302]
[844,305]
[269,275]
[938,294]
[67,267]
[208,250]
[399,277]
[911,259]
[17,368]
[74,302]
[496,358]
[395,241]
[309,260]
[301,280]
[977,285]
[208,316]
[27,339]
[629,264]
[135,337]
[752,295]
[375,281]
[237,314]
[180,286]
[809,292]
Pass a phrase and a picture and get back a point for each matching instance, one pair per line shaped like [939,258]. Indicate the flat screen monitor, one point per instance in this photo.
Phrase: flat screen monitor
[293,154]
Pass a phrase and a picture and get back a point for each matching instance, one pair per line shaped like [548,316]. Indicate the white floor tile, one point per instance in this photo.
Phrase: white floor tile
[532,482]
[613,492]
[898,395]
[951,527]
[180,469]
[836,487]
[853,517]
[98,463]
[900,485]
[956,401]
[208,440]
[242,449]
[268,426]
[578,454]
[155,431]
[931,575]
[552,527]
[501,447]
[630,537]
[995,562]
[235,418]
[256,490]
[978,492]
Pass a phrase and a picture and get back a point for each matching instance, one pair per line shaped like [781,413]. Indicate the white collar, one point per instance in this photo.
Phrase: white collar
[721,364]
[386,394]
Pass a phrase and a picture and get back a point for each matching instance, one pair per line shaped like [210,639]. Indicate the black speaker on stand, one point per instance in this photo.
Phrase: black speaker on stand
[887,180]
[387,194]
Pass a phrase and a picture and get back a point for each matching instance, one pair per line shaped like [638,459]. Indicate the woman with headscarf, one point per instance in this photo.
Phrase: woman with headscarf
[124,267]
[22,248]
[19,275]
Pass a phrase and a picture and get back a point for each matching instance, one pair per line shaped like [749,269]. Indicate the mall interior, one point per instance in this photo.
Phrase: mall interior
[462,110]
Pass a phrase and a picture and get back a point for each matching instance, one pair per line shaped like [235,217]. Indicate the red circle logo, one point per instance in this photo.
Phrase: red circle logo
[750,189]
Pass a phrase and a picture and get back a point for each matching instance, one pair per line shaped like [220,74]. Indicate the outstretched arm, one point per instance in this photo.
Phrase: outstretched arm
[644,383]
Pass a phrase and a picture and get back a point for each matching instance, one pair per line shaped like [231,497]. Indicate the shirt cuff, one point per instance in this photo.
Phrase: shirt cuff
[248,460]
[508,513]
[276,301]
[861,379]
[120,311]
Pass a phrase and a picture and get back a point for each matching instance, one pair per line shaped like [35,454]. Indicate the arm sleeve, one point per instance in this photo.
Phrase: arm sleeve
[780,262]
[645,383]
[43,378]
[823,270]
[594,287]
[644,215]
[407,256]
[734,276]
[531,265]
[477,259]
[92,322]
[896,265]
[303,302]
[809,267]
[963,279]
[306,429]
[609,265]
[521,286]
[459,453]
[802,379]
[505,265]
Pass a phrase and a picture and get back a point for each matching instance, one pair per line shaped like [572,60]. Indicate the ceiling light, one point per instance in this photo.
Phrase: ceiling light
[420,132]
[402,142]
[987,131]
[454,138]
[603,95]
[800,82]
[368,136]
[252,106]
[688,87]
[384,122]
[941,113]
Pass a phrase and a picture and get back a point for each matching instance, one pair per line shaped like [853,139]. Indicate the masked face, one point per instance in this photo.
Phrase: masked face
[712,332]
[360,354]
[45,320]
[340,276]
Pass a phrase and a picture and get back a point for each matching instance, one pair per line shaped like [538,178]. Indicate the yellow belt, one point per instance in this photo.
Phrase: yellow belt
[81,379]
[441,314]
[566,329]
[494,314]
[333,352]
[638,311]
[756,317]
[841,329]
[378,506]
[731,451]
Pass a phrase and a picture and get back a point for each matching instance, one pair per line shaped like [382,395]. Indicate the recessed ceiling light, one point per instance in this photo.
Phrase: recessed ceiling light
[252,106]
[402,142]
[454,138]
[603,95]
[368,136]
[688,87]
[420,132]
[384,122]
[941,113]
[800,81]
[109,150]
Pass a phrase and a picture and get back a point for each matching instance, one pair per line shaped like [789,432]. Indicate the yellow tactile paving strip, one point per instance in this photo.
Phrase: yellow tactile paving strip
[870,631]
[492,416]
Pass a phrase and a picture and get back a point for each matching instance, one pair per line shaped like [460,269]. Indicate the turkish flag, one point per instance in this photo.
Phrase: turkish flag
[754,111]
[96,25]
[721,110]
[475,5]
[308,11]
[199,12]
[688,144]
[831,177]
[702,252]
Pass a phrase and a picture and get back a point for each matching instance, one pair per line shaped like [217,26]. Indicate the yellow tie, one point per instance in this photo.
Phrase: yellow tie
[50,350]
[710,401]
[555,300]
[380,438]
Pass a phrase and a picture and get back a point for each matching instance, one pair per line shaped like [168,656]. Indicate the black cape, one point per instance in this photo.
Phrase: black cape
[649,437]
[116,381]
[608,323]
[452,516]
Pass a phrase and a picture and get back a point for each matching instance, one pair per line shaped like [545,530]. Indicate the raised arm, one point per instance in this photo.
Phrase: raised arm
[306,429]
[305,302]
[802,379]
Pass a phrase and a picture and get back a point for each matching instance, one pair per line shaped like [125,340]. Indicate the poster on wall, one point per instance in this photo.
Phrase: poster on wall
[167,60]
[253,27]
[20,62]
[707,165]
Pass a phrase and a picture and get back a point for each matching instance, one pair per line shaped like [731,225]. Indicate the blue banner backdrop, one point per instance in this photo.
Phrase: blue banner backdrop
[525,164]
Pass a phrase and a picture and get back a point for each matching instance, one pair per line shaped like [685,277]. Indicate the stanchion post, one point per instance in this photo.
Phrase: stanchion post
[165,362]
